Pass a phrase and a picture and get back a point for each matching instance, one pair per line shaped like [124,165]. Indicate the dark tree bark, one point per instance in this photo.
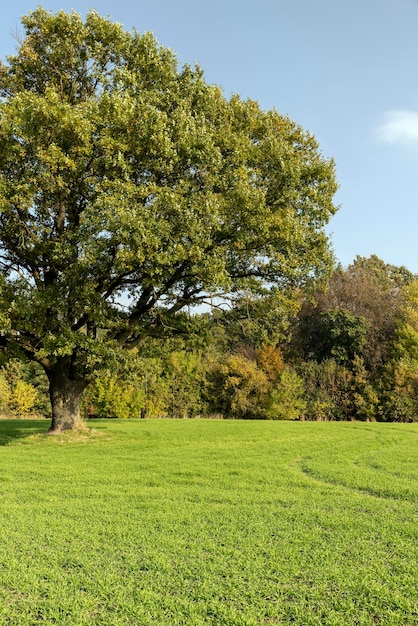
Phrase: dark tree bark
[65,391]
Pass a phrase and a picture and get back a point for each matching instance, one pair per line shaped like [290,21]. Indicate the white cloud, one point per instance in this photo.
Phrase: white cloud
[399,127]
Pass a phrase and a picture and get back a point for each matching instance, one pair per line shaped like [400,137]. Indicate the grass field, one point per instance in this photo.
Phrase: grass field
[202,522]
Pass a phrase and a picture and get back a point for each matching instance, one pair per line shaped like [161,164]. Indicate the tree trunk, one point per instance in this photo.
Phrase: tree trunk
[65,393]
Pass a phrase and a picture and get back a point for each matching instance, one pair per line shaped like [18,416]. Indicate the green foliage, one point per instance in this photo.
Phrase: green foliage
[112,397]
[335,334]
[355,344]
[366,401]
[406,344]
[185,376]
[4,394]
[335,392]
[356,316]
[260,321]
[347,334]
[398,406]
[170,384]
[17,396]
[400,380]
[155,388]
[287,400]
[125,180]
[131,192]
[399,390]
[386,275]
[233,523]
[33,374]
[329,388]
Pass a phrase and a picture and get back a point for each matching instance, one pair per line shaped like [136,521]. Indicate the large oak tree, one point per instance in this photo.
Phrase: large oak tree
[131,189]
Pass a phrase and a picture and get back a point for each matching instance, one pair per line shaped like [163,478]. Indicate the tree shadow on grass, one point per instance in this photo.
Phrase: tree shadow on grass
[12,429]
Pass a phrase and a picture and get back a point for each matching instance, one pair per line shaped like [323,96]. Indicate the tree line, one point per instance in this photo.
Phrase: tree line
[350,352]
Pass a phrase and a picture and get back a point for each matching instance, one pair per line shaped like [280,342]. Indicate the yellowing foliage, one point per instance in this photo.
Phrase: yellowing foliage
[23,397]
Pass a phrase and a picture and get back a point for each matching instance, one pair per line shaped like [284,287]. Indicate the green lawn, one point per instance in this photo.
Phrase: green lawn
[231,523]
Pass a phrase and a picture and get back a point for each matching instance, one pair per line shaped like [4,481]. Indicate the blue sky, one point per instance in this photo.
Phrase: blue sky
[346,71]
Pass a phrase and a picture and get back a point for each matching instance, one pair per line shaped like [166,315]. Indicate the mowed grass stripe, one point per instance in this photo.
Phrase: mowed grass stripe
[239,523]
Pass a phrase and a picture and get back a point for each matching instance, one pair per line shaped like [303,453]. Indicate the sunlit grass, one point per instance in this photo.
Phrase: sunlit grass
[209,522]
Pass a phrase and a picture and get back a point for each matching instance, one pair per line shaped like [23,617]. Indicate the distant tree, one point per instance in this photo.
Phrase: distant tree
[131,190]
[270,361]
[4,394]
[334,334]
[389,277]
[406,335]
[238,388]
[328,390]
[287,400]
[400,379]
[357,315]
[259,320]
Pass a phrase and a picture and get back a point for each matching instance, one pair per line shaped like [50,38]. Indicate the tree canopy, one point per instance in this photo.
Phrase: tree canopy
[131,190]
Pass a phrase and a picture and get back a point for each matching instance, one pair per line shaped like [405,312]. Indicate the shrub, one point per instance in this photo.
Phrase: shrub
[110,396]
[238,388]
[23,398]
[329,388]
[270,361]
[287,400]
